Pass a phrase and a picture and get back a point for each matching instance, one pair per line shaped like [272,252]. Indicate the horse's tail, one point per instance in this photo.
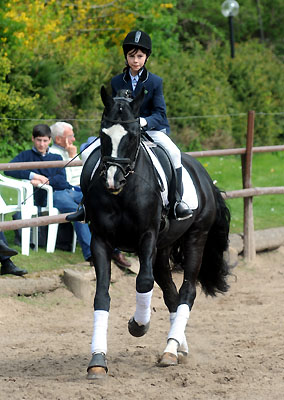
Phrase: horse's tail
[214,268]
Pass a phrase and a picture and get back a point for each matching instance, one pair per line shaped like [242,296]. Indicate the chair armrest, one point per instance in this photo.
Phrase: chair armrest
[24,188]
[49,191]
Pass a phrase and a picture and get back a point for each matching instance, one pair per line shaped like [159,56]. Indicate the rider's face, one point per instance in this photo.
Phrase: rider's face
[136,60]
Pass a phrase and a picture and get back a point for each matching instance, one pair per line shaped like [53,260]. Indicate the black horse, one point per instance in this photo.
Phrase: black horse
[124,207]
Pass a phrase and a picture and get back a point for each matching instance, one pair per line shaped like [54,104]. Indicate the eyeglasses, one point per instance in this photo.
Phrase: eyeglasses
[69,136]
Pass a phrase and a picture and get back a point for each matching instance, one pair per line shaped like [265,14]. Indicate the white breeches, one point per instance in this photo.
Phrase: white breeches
[164,140]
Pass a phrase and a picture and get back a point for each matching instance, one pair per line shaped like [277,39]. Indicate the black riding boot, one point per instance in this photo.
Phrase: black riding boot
[79,215]
[5,250]
[181,209]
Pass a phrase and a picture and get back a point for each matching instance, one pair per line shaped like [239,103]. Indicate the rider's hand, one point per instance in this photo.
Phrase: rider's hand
[143,122]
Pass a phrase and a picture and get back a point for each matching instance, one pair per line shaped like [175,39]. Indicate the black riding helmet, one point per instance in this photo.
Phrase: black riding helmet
[139,40]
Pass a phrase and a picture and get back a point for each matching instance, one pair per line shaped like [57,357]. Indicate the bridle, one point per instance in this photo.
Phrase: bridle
[124,164]
[119,121]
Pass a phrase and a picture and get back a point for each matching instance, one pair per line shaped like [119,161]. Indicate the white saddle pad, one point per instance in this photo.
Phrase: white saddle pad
[189,191]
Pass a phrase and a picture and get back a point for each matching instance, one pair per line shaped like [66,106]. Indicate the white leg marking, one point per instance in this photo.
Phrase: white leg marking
[176,336]
[143,307]
[183,347]
[172,347]
[99,339]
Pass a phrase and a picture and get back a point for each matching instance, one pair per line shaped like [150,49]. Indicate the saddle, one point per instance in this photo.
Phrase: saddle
[159,152]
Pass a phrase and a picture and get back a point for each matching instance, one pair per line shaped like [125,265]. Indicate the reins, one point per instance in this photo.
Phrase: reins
[46,182]
[118,121]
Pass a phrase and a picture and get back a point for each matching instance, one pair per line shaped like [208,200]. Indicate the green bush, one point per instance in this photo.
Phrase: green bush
[256,76]
[55,60]
[15,108]
[209,94]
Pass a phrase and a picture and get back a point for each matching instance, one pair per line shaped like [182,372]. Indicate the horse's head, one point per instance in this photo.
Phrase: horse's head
[120,138]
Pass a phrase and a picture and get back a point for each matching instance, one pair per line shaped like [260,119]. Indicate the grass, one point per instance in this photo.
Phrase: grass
[267,170]
[37,261]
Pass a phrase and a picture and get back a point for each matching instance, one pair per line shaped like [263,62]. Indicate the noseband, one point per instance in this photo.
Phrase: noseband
[124,164]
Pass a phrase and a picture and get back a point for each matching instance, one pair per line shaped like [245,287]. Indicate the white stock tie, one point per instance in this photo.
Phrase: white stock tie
[134,82]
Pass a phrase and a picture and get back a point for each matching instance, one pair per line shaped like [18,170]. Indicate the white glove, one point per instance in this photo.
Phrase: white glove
[143,122]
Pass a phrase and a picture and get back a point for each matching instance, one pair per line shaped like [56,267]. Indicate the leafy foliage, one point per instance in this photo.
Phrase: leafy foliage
[209,84]
[13,107]
[56,55]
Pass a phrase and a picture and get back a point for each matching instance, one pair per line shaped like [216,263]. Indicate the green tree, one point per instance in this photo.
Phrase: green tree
[14,107]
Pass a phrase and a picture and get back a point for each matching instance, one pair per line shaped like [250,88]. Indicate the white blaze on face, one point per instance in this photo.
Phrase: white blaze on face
[116,133]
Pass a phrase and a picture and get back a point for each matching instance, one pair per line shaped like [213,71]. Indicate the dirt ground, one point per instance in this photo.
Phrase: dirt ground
[236,343]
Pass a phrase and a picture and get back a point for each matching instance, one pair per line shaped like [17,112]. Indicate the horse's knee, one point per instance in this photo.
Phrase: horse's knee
[102,302]
[144,285]
[187,294]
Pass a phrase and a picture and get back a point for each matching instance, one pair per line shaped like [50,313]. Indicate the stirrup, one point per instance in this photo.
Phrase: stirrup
[79,215]
[182,211]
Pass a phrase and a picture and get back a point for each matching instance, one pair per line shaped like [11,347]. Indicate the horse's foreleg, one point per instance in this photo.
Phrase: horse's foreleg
[176,343]
[101,254]
[163,276]
[139,324]
[182,349]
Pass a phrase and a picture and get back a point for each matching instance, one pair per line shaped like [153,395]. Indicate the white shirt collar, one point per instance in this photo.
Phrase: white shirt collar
[134,79]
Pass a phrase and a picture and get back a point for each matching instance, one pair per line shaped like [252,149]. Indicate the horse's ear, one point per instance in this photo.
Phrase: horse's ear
[106,99]
[136,103]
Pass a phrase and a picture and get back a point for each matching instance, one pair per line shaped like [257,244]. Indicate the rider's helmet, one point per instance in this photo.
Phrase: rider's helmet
[139,40]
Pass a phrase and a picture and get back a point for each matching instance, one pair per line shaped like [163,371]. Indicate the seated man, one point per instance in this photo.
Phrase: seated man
[7,266]
[65,197]
[63,144]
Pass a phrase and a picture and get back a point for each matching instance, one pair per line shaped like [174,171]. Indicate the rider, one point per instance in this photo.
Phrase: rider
[137,47]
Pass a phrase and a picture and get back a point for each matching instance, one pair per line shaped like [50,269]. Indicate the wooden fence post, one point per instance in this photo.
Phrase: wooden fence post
[249,241]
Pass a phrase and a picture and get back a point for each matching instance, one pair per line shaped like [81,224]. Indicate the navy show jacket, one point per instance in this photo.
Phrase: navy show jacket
[153,108]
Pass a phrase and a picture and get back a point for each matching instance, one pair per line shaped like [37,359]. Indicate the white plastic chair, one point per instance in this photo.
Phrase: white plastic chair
[53,228]
[28,210]
[25,205]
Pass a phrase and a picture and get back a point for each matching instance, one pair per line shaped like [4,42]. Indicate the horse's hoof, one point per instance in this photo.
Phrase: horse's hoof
[97,368]
[182,357]
[167,360]
[96,373]
[137,330]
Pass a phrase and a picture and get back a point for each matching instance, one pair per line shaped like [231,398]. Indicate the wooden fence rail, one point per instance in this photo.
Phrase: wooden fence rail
[247,193]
